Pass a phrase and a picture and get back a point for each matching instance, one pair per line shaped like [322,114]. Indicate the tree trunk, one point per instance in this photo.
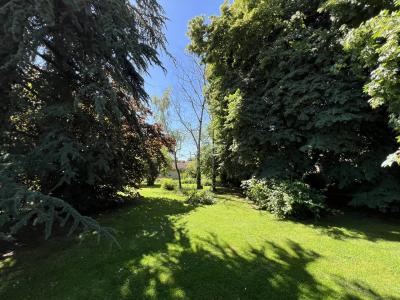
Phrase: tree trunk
[178,171]
[198,170]
[214,173]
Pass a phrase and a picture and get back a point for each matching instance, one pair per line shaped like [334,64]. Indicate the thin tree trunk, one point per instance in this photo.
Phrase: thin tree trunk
[214,173]
[177,170]
[198,175]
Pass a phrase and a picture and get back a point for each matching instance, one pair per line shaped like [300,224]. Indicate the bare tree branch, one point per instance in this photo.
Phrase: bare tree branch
[192,82]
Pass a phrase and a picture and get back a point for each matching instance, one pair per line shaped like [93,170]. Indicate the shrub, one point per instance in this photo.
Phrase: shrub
[207,181]
[128,193]
[168,184]
[187,179]
[199,198]
[285,198]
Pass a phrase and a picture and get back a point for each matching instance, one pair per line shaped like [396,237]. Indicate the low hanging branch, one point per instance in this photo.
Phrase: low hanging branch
[78,134]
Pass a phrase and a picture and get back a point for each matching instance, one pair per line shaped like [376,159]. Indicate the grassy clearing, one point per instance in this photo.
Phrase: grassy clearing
[225,251]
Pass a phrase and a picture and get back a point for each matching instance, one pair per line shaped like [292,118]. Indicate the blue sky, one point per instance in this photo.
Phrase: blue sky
[179,13]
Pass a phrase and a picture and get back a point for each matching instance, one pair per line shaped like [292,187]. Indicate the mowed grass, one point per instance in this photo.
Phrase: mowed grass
[226,251]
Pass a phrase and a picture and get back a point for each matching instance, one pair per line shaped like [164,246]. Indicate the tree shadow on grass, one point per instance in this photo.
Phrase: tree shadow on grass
[158,260]
[91,270]
[230,191]
[212,269]
[347,225]
[268,272]
[154,186]
[352,225]
[359,291]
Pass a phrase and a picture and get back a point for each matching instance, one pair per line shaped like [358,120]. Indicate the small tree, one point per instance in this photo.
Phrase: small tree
[163,117]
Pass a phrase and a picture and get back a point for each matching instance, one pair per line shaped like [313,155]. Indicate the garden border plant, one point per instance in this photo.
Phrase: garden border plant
[198,198]
[285,198]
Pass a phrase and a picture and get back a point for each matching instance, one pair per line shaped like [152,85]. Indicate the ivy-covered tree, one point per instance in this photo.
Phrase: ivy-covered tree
[292,106]
[73,106]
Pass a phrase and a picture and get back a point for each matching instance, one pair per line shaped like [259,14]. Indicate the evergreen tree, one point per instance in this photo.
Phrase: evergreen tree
[74,108]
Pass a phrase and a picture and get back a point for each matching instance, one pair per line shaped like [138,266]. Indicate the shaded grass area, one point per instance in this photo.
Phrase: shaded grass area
[170,250]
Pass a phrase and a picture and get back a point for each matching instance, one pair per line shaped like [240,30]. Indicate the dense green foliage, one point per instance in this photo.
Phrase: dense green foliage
[371,35]
[375,45]
[293,106]
[207,161]
[285,199]
[73,106]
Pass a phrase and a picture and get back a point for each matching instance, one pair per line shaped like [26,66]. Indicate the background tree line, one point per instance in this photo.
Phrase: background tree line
[306,90]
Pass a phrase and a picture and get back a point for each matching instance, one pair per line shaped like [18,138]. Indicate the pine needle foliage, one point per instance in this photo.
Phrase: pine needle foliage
[73,111]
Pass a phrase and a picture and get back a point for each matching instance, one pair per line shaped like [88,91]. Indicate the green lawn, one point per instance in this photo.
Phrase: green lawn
[226,251]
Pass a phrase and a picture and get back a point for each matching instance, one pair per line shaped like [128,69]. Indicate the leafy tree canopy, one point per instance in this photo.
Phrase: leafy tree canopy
[375,46]
[285,98]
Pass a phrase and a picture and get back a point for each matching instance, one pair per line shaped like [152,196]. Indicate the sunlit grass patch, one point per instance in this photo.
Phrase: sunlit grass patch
[172,250]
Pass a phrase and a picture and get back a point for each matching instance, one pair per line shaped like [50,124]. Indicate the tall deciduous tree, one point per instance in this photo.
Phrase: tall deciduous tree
[191,106]
[73,108]
[285,100]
